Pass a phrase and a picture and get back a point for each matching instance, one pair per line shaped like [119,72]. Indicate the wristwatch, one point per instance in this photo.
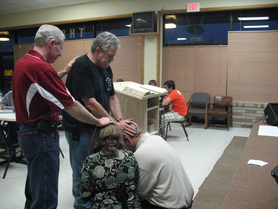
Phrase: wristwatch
[119,119]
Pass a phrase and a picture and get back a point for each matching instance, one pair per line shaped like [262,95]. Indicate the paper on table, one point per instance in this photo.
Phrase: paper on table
[7,110]
[135,89]
[257,162]
[265,130]
[154,88]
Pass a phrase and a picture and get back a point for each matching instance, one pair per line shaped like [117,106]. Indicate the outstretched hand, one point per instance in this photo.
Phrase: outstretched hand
[104,121]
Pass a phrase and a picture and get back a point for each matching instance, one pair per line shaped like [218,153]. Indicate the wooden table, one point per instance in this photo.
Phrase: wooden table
[10,119]
[252,186]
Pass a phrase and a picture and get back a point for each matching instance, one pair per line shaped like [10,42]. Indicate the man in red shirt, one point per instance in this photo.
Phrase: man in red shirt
[178,102]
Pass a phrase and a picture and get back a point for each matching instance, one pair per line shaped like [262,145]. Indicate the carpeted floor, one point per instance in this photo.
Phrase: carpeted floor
[213,191]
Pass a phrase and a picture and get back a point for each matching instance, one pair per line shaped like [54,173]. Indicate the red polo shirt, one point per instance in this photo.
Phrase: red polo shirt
[38,91]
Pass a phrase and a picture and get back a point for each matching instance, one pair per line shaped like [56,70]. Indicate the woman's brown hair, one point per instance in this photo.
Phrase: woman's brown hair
[108,140]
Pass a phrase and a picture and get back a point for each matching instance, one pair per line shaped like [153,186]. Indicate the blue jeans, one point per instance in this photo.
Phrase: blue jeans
[79,149]
[41,149]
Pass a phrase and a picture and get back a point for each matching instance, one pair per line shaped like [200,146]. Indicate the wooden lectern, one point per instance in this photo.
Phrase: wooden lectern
[140,102]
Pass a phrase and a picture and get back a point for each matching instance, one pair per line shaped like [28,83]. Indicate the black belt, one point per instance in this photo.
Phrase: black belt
[45,126]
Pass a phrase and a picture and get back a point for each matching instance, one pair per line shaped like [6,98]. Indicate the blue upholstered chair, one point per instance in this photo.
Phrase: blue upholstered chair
[197,105]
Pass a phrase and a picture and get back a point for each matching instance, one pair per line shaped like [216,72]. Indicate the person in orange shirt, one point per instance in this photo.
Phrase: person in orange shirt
[178,102]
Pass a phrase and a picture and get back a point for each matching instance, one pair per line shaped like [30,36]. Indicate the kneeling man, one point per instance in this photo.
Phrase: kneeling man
[163,182]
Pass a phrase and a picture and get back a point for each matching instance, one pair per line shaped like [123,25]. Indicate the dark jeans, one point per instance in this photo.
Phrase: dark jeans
[79,149]
[40,145]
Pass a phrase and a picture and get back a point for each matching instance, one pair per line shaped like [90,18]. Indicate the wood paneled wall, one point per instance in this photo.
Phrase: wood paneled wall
[196,68]
[246,69]
[127,64]
[253,66]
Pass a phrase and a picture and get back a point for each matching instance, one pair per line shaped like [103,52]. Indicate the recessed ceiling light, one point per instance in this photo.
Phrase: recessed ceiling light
[170,26]
[4,36]
[171,17]
[181,39]
[4,39]
[256,26]
[252,18]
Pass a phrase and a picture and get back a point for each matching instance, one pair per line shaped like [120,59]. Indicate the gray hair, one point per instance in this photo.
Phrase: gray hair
[48,32]
[104,40]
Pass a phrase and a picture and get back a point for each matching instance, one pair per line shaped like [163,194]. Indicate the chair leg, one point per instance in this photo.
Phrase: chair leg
[185,132]
[166,133]
[209,120]
[8,163]
[228,123]
[161,130]
[206,121]
[168,126]
[189,120]
[61,152]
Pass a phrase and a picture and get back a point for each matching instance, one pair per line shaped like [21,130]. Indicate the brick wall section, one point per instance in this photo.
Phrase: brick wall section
[244,114]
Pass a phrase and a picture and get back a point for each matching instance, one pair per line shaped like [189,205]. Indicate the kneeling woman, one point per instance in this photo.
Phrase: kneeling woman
[110,174]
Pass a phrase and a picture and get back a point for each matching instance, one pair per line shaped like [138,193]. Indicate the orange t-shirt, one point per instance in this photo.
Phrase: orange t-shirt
[178,102]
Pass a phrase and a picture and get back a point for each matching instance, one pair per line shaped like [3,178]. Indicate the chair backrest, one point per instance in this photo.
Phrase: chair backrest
[199,100]
[3,143]
[221,102]
[8,135]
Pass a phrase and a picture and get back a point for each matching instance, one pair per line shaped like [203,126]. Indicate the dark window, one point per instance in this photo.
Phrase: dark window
[82,30]
[119,27]
[212,27]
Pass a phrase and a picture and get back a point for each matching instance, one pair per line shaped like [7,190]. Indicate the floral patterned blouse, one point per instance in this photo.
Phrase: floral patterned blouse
[102,178]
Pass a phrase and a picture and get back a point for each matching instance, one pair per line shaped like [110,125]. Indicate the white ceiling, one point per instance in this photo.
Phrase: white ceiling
[15,6]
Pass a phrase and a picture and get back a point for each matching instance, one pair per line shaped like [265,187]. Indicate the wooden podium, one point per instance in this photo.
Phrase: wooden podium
[140,102]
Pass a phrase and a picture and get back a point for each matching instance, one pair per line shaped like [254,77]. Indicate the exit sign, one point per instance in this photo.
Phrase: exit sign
[193,7]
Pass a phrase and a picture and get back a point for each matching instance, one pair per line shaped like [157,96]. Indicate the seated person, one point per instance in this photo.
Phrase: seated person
[163,182]
[152,82]
[7,100]
[178,102]
[109,175]
[120,80]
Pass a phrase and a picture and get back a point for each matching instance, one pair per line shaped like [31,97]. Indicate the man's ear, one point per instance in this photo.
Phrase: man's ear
[97,49]
[51,43]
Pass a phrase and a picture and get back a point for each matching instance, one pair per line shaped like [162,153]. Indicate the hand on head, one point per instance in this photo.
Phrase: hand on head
[126,128]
